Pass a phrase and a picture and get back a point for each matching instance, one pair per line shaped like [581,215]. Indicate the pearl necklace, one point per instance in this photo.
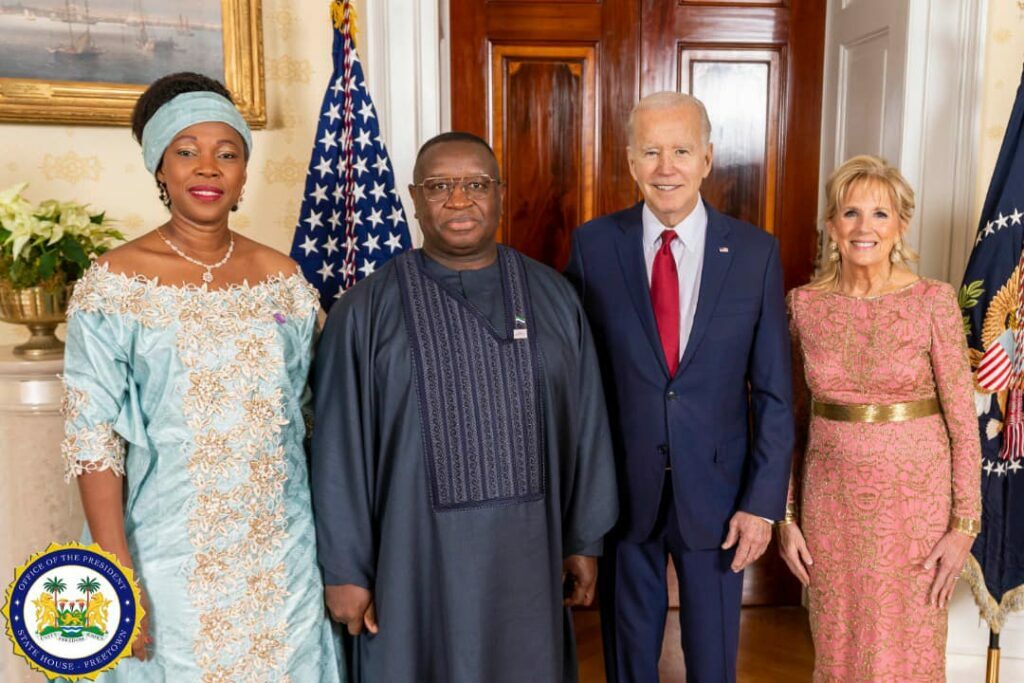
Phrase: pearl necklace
[208,275]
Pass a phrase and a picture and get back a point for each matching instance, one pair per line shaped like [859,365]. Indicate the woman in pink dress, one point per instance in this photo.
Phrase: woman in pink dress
[885,500]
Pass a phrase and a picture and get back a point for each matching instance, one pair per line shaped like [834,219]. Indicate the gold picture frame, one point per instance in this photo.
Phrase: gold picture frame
[24,100]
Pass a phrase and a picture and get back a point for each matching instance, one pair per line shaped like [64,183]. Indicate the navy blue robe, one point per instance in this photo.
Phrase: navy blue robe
[466,595]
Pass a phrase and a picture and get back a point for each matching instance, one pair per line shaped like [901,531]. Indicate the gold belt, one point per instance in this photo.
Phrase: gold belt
[876,412]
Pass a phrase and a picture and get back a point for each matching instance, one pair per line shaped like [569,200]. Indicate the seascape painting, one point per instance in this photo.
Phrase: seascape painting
[110,41]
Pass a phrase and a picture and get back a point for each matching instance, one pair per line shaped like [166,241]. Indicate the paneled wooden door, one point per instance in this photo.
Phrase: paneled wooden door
[550,84]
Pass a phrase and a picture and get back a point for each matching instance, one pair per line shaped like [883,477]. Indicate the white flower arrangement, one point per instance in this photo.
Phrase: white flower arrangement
[50,244]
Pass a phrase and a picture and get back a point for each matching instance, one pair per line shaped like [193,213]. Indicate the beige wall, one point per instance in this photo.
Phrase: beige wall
[103,166]
[1004,51]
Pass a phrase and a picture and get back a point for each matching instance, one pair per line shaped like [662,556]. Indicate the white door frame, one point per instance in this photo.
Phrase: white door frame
[938,127]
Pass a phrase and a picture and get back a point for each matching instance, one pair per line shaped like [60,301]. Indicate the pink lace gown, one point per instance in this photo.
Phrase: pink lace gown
[875,498]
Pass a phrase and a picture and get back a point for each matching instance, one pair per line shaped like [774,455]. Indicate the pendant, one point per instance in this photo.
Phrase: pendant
[208,276]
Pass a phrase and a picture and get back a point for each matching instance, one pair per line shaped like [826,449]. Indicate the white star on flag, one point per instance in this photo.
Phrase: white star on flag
[375,218]
[333,113]
[367,268]
[319,194]
[381,165]
[366,111]
[394,242]
[360,166]
[363,139]
[371,244]
[324,167]
[309,246]
[326,271]
[396,216]
[378,191]
[331,245]
[335,219]
[328,140]
[313,219]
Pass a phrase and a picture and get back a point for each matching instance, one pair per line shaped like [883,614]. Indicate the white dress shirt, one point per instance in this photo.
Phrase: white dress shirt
[688,251]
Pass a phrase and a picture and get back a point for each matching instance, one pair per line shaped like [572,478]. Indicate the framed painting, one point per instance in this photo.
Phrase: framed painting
[87,61]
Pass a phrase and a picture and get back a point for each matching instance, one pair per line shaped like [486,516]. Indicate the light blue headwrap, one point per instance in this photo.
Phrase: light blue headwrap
[183,111]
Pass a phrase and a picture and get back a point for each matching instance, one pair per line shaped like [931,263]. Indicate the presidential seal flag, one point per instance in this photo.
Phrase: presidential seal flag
[992,301]
[351,220]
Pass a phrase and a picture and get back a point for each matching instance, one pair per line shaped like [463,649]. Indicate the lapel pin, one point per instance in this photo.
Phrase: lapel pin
[723,250]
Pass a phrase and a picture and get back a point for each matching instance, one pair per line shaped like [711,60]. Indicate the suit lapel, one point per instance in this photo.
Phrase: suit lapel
[634,272]
[716,266]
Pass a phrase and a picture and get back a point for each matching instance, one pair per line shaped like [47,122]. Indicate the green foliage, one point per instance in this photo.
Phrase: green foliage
[50,244]
[970,294]
[967,298]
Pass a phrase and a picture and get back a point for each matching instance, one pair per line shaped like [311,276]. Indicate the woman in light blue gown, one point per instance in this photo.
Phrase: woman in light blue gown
[186,364]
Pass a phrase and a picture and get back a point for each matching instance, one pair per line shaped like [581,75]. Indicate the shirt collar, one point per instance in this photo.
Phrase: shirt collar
[690,230]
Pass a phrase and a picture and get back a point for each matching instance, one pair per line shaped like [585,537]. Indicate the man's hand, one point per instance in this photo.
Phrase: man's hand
[351,605]
[753,534]
[581,572]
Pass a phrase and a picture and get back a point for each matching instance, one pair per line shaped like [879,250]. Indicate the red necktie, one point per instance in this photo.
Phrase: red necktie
[665,298]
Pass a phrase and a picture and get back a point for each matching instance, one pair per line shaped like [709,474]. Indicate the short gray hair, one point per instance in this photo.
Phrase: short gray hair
[669,99]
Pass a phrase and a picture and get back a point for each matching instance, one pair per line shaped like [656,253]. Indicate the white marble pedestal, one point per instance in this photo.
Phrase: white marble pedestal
[36,506]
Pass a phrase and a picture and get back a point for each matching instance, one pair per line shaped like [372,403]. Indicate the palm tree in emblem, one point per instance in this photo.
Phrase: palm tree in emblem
[88,585]
[55,585]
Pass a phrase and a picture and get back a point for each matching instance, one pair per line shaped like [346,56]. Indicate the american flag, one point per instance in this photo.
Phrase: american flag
[351,219]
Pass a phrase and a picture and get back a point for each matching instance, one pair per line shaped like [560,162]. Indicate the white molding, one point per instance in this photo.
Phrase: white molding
[405,70]
[941,129]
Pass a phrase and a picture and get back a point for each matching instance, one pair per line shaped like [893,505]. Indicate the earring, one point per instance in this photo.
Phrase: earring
[165,199]
[896,255]
[833,251]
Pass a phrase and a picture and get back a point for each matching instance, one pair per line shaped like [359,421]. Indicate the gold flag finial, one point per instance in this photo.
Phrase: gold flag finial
[342,11]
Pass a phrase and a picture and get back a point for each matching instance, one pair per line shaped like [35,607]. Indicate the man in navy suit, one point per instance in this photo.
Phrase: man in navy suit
[689,317]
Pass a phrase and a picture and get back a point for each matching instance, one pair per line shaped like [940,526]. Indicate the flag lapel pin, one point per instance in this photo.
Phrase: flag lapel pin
[520,330]
[723,250]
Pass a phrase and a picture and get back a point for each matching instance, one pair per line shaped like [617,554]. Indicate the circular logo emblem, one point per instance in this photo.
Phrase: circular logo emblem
[72,611]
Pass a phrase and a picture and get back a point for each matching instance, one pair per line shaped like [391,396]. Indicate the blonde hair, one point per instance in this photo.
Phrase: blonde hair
[669,99]
[871,170]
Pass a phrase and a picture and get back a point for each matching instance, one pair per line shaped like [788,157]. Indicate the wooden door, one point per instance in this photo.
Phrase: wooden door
[550,84]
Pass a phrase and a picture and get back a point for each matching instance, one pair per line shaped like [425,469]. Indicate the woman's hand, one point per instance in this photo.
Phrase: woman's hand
[143,640]
[793,549]
[949,554]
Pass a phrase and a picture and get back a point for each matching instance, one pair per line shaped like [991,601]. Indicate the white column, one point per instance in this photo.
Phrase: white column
[36,506]
[941,129]
[404,58]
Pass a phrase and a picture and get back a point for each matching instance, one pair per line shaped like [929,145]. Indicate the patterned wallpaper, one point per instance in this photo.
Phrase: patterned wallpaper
[103,165]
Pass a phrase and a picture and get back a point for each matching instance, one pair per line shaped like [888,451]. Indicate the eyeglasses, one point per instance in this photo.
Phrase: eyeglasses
[474,187]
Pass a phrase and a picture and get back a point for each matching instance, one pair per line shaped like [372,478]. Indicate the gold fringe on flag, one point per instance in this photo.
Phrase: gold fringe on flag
[342,11]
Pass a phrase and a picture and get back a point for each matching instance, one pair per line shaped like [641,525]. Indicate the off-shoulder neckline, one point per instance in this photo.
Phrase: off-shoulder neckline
[103,269]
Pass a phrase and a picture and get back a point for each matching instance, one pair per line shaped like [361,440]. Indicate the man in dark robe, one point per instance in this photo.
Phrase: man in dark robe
[462,468]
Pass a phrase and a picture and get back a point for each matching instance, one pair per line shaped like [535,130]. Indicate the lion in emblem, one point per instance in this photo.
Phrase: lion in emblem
[46,612]
[97,614]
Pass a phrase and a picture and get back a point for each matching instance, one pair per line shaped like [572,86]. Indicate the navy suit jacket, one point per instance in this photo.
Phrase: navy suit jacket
[724,420]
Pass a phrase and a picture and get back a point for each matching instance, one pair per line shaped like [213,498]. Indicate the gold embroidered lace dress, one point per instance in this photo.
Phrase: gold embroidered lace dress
[194,396]
[875,498]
